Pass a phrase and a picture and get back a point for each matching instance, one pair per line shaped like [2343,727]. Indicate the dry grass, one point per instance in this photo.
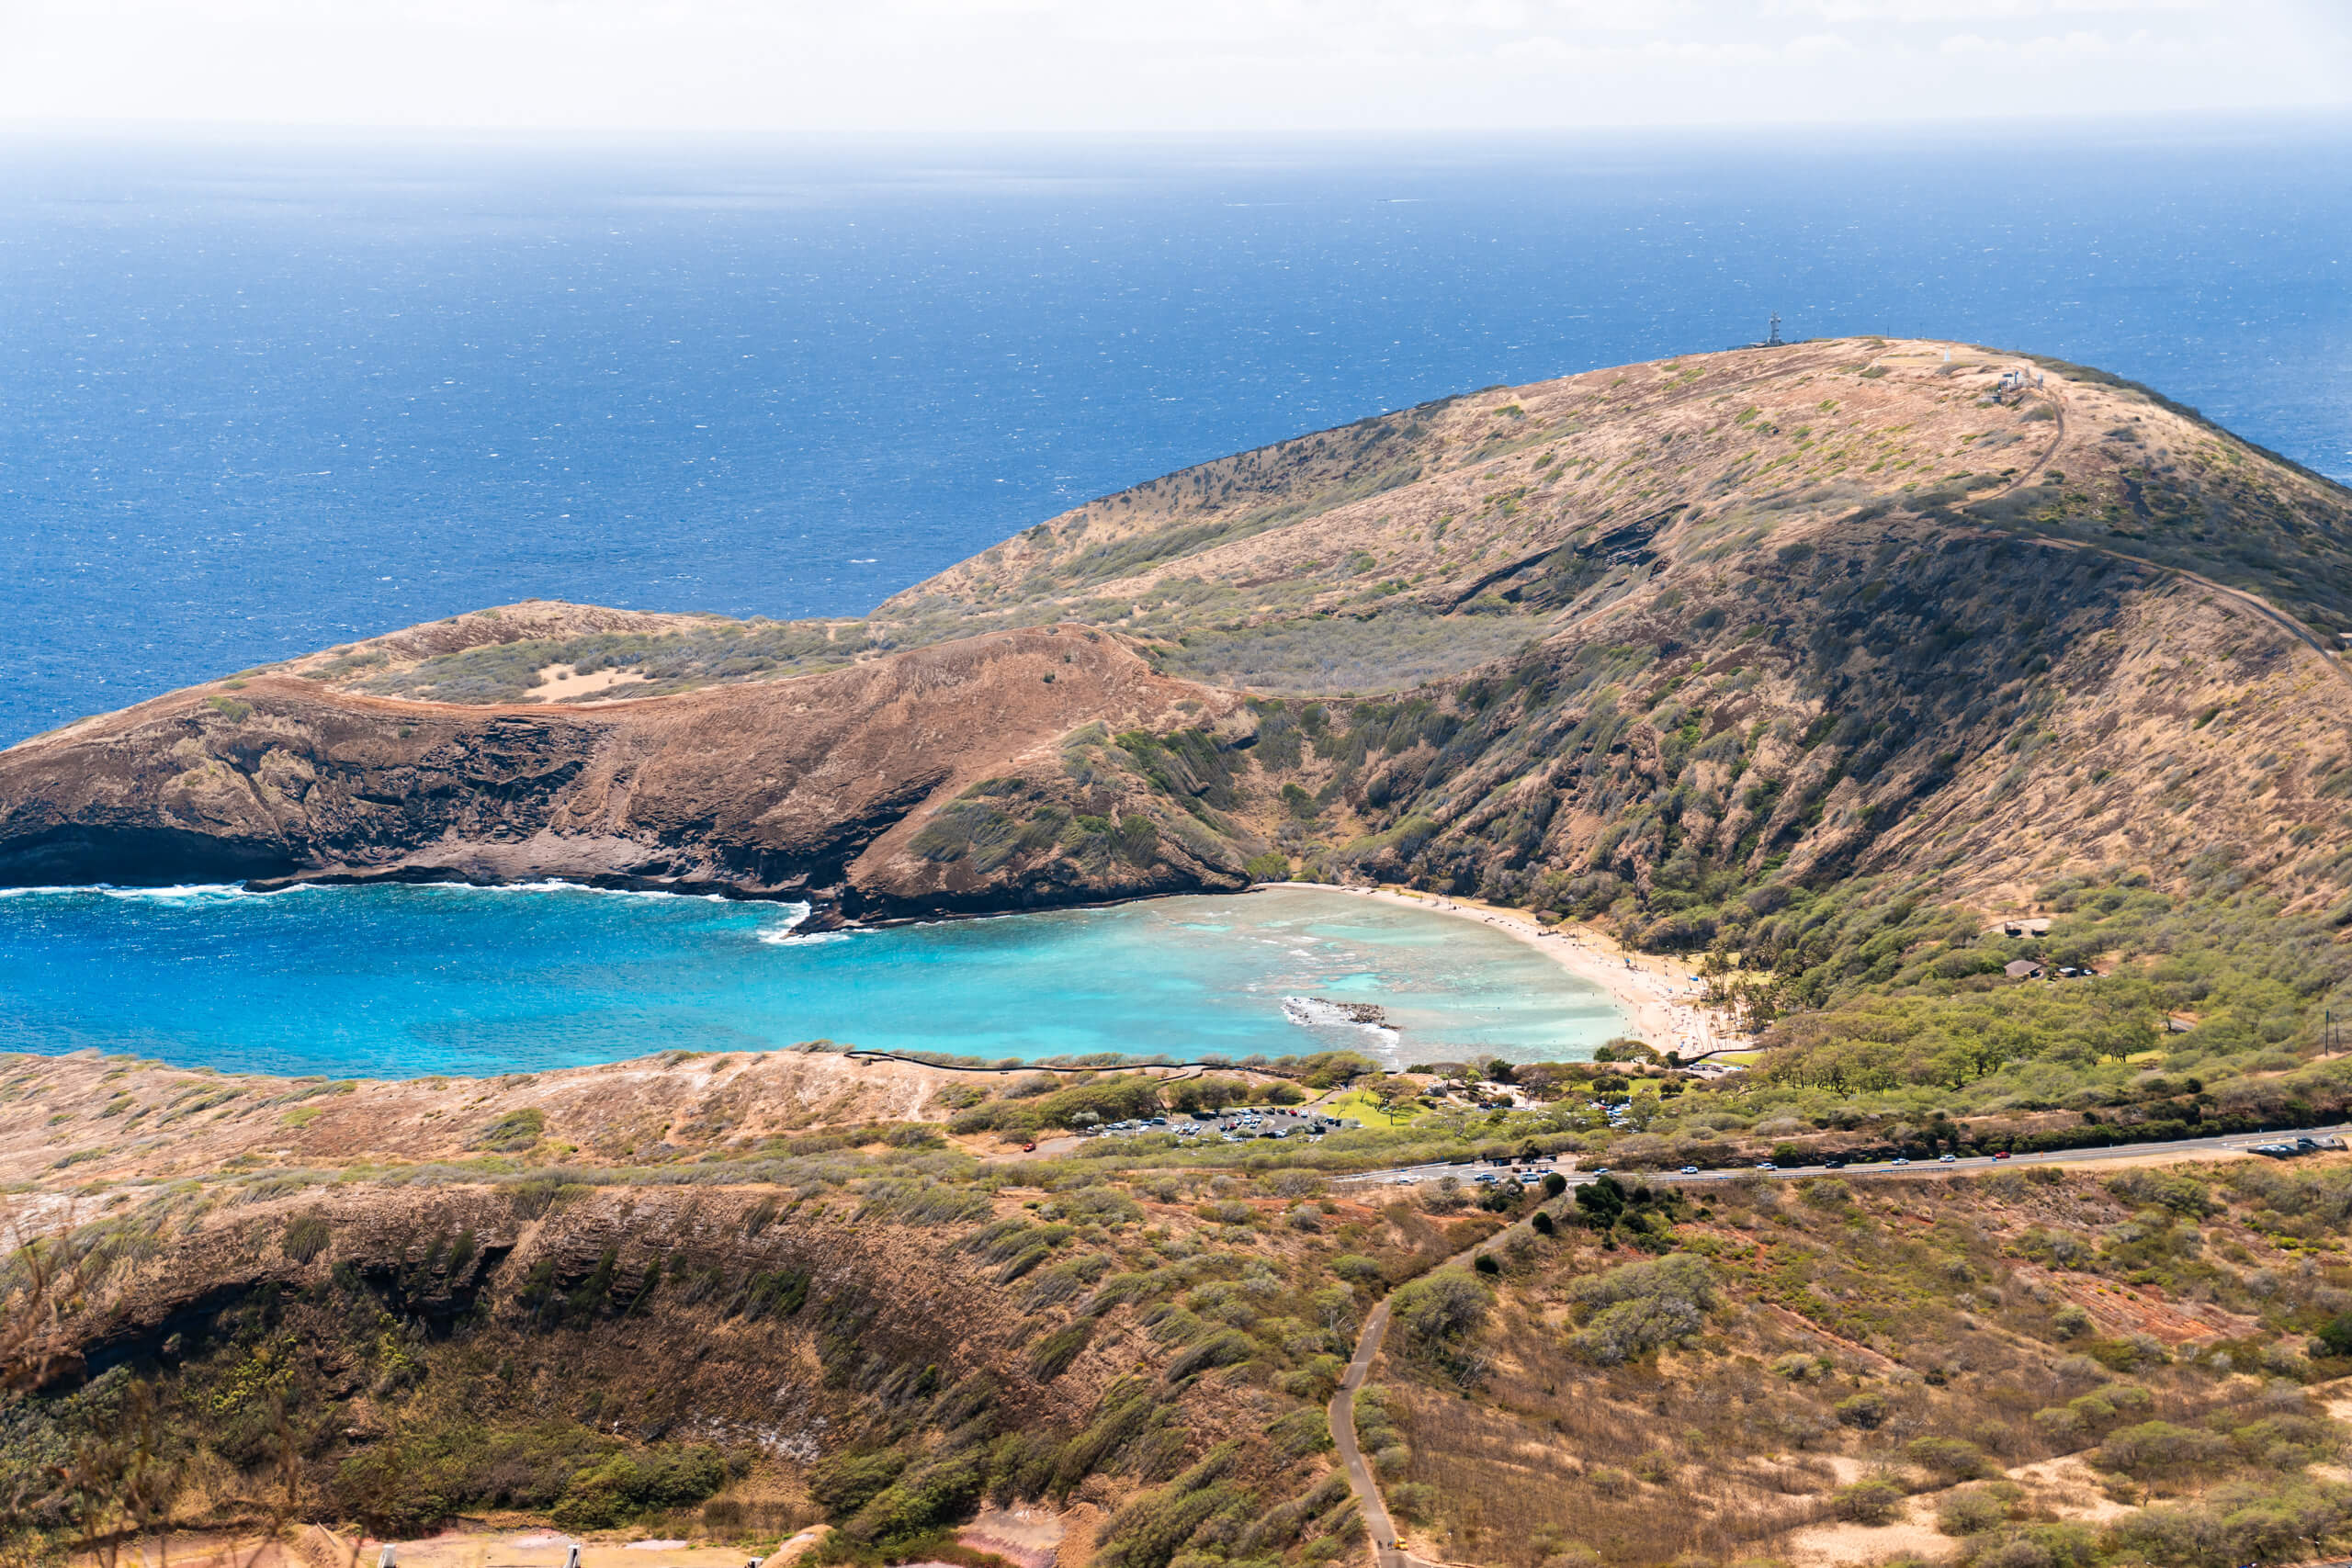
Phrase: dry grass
[1913,1296]
[1638,1468]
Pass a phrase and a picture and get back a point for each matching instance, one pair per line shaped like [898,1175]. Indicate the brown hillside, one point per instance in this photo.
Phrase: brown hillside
[804,787]
[1849,606]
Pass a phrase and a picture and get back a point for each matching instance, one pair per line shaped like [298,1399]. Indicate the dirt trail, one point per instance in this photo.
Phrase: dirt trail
[2252,601]
[1343,1415]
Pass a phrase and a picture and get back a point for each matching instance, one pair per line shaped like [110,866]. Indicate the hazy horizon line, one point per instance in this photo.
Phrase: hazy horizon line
[2175,127]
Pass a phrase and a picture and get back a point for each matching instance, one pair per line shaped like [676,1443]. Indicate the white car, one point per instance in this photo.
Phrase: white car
[1406,1180]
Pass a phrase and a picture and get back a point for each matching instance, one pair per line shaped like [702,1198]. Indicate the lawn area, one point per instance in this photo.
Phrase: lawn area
[1361,1106]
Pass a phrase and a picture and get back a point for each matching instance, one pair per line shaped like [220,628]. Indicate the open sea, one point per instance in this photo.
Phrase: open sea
[257,398]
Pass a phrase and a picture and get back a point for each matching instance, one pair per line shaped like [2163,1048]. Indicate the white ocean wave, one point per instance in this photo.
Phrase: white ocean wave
[182,892]
[189,891]
[558,884]
[789,931]
[783,936]
[1313,1012]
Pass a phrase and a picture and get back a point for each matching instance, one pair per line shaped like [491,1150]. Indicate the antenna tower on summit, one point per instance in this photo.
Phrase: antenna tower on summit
[1772,338]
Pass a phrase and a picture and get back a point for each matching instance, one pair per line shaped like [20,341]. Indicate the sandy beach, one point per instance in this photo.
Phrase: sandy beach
[1658,995]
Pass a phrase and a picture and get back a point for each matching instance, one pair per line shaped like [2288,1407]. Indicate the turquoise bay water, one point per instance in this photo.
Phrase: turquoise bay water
[402,981]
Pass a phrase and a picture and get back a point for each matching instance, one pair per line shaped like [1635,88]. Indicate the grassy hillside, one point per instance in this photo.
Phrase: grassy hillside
[871,1329]
[2027,1368]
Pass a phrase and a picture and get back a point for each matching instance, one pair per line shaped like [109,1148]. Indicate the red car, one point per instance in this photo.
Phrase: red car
[1028,1148]
[2000,1154]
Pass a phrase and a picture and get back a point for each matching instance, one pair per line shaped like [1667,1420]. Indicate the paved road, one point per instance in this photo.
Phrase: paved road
[1417,1173]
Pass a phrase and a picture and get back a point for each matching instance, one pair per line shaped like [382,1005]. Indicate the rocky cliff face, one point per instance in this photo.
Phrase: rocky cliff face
[813,787]
[1645,634]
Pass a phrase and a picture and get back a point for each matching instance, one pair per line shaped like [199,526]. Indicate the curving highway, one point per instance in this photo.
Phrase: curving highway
[2233,1143]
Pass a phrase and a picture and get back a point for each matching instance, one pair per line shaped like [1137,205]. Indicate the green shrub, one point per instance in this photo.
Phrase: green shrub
[2157,1449]
[391,1492]
[1147,1530]
[626,1485]
[1947,1459]
[1867,1410]
[1439,1311]
[515,1131]
[848,1481]
[922,1498]
[1972,1510]
[306,1236]
[1869,1501]
[1637,1308]
[1052,1353]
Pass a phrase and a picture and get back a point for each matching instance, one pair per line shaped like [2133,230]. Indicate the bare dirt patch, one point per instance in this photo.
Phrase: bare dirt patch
[561,683]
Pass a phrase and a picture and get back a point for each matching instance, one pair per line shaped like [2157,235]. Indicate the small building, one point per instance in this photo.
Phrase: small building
[2022,969]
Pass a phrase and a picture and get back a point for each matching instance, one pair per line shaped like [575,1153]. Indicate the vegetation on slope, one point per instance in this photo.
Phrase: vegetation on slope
[864,1326]
[2038,1367]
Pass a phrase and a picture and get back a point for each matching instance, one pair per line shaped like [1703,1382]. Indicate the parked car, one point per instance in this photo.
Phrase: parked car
[1029,1148]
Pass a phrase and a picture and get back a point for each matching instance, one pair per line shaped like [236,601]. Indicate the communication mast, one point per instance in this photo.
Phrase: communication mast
[1772,338]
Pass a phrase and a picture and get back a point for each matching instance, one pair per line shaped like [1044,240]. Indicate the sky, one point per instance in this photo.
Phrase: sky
[1143,66]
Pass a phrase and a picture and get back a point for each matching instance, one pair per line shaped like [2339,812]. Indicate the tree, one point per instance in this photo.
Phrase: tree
[1600,1203]
[1439,1311]
[1390,1092]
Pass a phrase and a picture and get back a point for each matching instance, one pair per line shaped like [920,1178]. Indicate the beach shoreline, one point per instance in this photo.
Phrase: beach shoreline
[1657,997]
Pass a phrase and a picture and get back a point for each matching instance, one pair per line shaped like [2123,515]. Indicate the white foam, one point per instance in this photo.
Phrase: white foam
[558,884]
[789,933]
[186,891]
[181,891]
[1313,1012]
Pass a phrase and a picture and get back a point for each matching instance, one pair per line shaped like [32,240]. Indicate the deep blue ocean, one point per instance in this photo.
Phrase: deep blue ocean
[256,400]
[260,399]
